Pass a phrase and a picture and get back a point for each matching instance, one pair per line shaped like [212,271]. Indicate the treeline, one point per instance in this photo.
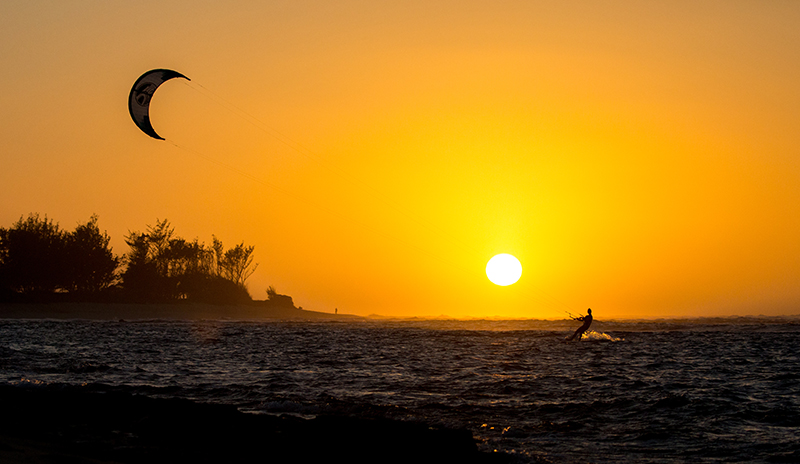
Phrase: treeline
[41,262]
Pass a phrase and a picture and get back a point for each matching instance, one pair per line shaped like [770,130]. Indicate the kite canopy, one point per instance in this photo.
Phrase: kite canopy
[141,94]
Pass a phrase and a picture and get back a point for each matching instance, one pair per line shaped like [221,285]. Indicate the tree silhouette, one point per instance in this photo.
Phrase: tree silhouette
[37,257]
[237,264]
[39,261]
[32,255]
[162,266]
[91,263]
[141,280]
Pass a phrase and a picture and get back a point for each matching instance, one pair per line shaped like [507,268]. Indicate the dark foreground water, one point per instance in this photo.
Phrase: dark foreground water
[671,391]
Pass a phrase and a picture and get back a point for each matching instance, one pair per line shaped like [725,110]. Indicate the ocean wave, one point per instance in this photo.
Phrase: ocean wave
[675,390]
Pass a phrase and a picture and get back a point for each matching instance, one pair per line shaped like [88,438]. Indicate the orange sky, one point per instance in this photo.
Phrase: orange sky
[640,158]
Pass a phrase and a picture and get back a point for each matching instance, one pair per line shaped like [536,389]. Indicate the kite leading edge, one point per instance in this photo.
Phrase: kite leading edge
[141,94]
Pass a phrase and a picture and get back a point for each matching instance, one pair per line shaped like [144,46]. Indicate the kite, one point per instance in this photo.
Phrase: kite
[141,94]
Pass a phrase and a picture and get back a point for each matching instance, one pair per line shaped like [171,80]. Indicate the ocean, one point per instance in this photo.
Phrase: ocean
[667,391]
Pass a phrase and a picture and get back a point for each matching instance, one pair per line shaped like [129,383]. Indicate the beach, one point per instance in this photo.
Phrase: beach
[261,310]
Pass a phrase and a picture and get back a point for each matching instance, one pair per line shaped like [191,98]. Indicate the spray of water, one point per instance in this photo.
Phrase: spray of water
[601,336]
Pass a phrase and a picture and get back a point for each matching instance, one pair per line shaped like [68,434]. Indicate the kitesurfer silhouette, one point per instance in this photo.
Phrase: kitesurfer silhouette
[587,321]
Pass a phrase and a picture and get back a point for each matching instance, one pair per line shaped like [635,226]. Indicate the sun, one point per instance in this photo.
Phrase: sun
[503,269]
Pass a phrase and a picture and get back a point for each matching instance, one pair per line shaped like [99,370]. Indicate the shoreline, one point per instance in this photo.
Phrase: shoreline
[163,311]
[264,310]
[52,423]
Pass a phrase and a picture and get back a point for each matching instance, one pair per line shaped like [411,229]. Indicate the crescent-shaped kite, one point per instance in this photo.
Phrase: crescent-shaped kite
[141,94]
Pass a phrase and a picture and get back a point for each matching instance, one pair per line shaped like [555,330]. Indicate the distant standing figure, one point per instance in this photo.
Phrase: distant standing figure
[587,321]
[336,311]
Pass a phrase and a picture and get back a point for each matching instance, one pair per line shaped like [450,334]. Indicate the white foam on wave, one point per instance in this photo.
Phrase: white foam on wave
[601,336]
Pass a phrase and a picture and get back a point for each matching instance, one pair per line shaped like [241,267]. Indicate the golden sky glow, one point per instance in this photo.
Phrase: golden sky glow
[640,158]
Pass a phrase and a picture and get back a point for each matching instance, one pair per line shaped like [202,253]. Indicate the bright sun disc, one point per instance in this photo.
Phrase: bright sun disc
[503,269]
